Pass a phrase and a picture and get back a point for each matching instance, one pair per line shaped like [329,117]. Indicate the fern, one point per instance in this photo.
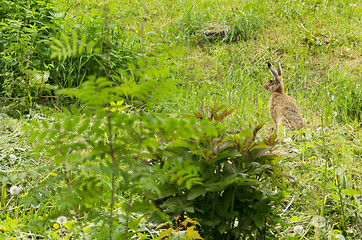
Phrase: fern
[70,46]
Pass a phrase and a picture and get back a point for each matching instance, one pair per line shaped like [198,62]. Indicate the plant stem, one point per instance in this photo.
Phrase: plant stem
[324,182]
[106,39]
[111,153]
[128,215]
[110,141]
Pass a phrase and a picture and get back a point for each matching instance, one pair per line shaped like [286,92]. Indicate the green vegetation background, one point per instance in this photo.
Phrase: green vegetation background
[319,44]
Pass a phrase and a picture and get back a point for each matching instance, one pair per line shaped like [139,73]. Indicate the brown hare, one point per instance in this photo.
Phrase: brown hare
[283,109]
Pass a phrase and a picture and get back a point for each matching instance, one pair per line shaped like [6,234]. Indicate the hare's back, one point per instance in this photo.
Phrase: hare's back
[292,116]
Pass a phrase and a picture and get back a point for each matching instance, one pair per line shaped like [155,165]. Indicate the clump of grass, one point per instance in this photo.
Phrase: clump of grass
[202,27]
[244,27]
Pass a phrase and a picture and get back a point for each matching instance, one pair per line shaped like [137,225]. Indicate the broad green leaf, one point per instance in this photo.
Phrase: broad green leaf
[165,233]
[191,221]
[259,220]
[246,133]
[68,126]
[191,233]
[350,192]
[68,225]
[178,143]
[134,224]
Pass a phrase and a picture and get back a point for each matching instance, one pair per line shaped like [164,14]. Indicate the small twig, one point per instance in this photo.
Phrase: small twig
[195,81]
[5,98]
[290,203]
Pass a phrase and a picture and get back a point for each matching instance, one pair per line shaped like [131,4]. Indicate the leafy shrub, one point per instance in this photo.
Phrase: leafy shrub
[224,181]
[109,166]
[233,196]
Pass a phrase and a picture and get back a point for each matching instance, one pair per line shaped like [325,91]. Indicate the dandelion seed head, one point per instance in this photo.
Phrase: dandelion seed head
[15,190]
[339,237]
[318,221]
[62,220]
[298,229]
[339,171]
[294,150]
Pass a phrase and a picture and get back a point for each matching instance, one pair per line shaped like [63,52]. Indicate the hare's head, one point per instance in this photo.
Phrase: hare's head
[275,84]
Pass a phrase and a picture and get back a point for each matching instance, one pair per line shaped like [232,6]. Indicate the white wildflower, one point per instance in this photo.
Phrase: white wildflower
[287,140]
[307,137]
[319,221]
[15,190]
[298,229]
[340,171]
[321,161]
[294,150]
[339,237]
[62,220]
[12,156]
[38,116]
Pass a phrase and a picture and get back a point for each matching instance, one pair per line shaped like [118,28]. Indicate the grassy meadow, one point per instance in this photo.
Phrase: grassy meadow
[221,49]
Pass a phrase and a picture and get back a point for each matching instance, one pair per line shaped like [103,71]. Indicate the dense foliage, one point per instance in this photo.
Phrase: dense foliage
[196,170]
[29,33]
[25,31]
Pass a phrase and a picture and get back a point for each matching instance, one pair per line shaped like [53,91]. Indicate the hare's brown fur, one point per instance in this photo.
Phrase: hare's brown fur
[283,109]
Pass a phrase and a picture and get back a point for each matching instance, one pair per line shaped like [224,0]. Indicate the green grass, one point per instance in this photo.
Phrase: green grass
[319,44]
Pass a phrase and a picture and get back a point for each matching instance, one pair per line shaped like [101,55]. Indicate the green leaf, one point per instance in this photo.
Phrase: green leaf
[192,234]
[259,221]
[68,126]
[191,221]
[134,224]
[350,192]
[178,143]
[84,126]
[195,192]
[246,133]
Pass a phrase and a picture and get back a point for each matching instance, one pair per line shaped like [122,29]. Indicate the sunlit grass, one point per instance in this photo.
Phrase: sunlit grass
[319,45]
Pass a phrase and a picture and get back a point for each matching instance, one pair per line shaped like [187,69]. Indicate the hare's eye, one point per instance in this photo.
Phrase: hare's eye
[270,81]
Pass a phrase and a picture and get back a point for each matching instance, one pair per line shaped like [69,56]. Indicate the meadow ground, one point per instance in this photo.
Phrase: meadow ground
[319,44]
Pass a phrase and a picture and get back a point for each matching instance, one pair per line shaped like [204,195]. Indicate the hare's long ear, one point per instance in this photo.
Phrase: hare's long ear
[279,69]
[272,70]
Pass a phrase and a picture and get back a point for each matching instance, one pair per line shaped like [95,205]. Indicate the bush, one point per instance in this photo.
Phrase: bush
[110,160]
[234,194]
